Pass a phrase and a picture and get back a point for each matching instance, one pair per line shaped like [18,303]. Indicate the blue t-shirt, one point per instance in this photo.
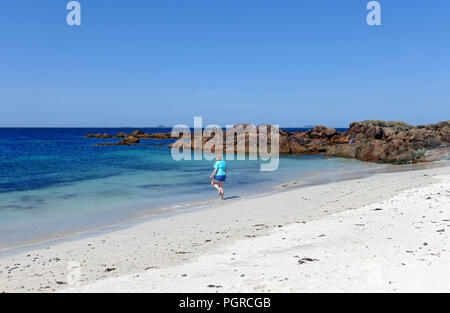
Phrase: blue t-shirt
[221,167]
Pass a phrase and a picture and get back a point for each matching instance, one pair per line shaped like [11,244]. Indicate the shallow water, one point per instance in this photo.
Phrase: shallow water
[54,181]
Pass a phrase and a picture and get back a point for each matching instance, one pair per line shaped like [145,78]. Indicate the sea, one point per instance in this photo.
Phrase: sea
[55,182]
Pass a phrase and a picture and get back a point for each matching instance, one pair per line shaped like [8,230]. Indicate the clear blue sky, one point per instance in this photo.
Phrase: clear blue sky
[143,63]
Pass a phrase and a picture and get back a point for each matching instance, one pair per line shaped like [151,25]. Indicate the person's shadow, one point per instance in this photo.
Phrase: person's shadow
[230,198]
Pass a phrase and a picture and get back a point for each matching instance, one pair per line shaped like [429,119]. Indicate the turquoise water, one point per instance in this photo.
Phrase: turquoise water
[54,182]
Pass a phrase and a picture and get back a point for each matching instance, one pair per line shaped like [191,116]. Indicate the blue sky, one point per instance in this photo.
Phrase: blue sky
[292,63]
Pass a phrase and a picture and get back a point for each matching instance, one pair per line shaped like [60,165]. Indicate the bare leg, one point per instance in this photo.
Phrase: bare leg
[214,183]
[221,190]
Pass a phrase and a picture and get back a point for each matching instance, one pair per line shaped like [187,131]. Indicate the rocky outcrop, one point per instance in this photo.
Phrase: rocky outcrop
[371,141]
[130,140]
[99,136]
[121,135]
[136,134]
[393,142]
[155,136]
[441,153]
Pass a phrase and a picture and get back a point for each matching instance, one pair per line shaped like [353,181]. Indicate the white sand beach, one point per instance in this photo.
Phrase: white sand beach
[387,232]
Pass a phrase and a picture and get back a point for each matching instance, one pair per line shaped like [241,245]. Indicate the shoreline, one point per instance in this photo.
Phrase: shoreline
[175,208]
[314,179]
[182,238]
[399,244]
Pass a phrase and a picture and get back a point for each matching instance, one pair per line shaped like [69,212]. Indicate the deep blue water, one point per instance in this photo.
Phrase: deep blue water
[54,181]
[32,158]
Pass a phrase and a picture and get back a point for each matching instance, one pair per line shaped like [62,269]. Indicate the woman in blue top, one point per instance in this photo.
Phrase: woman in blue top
[219,175]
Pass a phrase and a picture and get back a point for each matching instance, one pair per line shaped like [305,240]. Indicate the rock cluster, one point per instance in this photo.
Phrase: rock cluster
[128,141]
[136,134]
[371,141]
[394,142]
[99,136]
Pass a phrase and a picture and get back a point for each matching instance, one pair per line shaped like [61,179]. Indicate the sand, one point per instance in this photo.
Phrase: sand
[387,232]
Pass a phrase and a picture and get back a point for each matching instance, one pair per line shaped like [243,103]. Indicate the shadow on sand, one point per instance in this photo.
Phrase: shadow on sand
[230,198]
